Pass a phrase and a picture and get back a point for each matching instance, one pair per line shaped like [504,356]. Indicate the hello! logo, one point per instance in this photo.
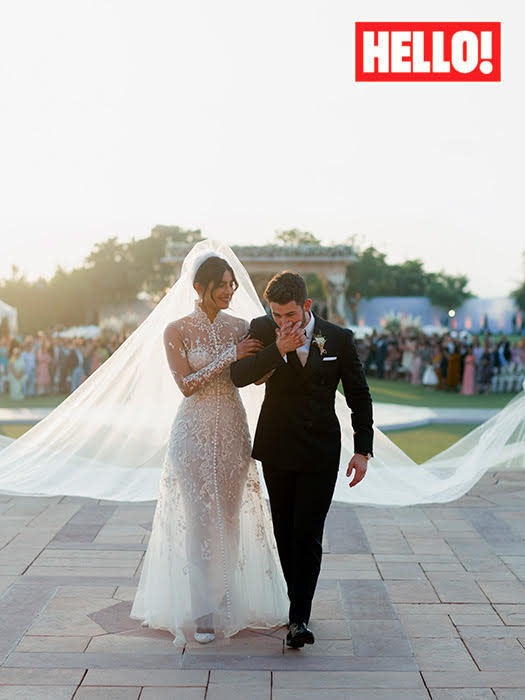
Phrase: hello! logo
[428,51]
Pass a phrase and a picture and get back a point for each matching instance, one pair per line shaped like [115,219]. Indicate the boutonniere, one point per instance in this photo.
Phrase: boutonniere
[320,341]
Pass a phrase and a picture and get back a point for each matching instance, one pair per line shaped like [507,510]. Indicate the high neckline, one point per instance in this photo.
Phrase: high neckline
[199,311]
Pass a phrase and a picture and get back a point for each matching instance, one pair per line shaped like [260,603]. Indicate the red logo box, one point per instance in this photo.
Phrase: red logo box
[428,51]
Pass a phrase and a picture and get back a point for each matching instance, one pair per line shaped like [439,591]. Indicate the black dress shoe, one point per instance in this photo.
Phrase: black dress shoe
[299,635]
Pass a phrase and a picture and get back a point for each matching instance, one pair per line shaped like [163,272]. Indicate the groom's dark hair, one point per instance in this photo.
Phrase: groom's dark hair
[285,287]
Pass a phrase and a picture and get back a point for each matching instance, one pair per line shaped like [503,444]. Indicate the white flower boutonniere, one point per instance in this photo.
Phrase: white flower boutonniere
[320,341]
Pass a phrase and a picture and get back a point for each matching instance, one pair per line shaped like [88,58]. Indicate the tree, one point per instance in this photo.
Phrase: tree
[371,276]
[294,237]
[519,295]
[113,273]
[409,279]
[446,291]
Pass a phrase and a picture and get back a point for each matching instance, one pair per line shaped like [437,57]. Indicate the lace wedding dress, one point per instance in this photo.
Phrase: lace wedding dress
[211,558]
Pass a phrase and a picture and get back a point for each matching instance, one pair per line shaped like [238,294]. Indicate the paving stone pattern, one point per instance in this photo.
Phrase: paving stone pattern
[418,602]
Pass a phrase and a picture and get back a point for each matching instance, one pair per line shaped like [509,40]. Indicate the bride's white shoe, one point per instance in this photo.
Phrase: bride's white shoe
[204,637]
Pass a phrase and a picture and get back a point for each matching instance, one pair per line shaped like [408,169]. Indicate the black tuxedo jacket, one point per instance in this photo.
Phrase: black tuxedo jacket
[298,426]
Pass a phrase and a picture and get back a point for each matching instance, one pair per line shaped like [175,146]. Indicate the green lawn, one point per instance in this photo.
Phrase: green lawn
[32,401]
[422,443]
[419,443]
[384,391]
[13,431]
[389,391]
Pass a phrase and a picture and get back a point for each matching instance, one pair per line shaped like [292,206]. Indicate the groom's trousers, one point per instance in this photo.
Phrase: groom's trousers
[299,502]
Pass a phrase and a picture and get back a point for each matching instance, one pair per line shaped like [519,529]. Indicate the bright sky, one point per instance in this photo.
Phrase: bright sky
[241,118]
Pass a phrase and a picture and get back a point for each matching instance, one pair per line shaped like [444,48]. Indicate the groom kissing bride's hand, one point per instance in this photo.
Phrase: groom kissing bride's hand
[290,336]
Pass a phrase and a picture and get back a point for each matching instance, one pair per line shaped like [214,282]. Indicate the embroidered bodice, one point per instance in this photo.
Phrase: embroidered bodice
[200,350]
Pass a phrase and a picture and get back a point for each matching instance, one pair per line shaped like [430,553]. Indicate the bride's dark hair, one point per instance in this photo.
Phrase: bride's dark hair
[212,270]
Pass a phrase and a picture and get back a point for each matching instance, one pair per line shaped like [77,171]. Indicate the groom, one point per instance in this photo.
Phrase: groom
[298,438]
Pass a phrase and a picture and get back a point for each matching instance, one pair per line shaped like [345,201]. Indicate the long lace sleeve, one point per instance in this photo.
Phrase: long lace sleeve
[189,382]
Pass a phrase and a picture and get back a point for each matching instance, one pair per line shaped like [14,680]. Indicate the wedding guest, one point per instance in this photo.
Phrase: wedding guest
[430,375]
[392,360]
[381,353]
[4,363]
[76,365]
[427,354]
[484,373]
[16,375]
[469,374]
[53,366]
[87,351]
[62,366]
[515,354]
[477,350]
[416,367]
[522,352]
[43,361]
[502,353]
[99,356]
[443,366]
[453,374]
[29,358]
[408,355]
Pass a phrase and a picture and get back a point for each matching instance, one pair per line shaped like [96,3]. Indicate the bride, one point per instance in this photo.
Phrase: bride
[131,433]
[215,581]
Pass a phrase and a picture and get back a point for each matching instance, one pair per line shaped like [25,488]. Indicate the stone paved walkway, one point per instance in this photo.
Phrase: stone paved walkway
[413,603]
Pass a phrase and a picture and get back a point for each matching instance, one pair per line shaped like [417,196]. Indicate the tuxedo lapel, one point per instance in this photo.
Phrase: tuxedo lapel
[314,355]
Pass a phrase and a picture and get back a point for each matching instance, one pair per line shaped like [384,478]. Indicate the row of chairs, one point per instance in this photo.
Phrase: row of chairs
[508,378]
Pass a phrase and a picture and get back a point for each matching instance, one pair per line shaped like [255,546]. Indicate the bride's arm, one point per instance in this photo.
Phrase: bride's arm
[189,382]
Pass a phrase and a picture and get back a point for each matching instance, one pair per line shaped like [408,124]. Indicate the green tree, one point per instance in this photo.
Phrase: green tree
[408,279]
[519,295]
[371,276]
[294,237]
[447,291]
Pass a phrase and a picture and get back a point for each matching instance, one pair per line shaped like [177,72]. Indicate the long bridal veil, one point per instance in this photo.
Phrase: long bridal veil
[108,439]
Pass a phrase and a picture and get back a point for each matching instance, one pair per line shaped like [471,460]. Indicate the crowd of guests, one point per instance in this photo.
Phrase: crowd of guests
[44,364]
[443,363]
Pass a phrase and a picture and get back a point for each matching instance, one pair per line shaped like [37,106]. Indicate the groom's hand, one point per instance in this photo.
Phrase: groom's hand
[359,463]
[290,337]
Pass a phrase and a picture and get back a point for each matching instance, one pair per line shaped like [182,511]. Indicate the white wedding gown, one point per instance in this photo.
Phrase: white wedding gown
[211,556]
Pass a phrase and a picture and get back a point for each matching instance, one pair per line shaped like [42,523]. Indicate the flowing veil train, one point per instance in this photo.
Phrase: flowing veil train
[108,439]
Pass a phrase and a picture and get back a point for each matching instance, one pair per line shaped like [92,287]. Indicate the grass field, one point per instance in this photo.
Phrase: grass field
[384,391]
[13,431]
[419,443]
[422,443]
[387,391]
[32,401]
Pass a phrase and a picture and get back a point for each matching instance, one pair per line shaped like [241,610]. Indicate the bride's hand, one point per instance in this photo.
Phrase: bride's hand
[248,346]
[290,337]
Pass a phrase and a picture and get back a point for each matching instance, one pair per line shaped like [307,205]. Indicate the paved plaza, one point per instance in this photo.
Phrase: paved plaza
[416,602]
